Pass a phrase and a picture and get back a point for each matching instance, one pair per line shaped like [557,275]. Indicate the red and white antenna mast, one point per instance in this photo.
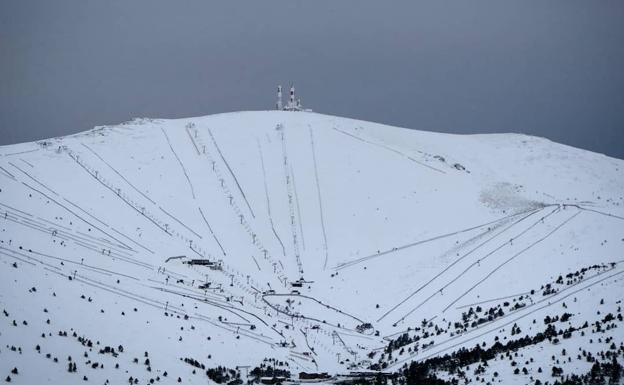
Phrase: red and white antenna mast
[279,98]
[291,102]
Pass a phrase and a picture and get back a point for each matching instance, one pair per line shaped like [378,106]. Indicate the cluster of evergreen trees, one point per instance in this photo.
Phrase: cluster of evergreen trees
[223,375]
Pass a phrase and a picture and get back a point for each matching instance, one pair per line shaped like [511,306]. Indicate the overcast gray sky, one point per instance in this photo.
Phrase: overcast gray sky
[550,68]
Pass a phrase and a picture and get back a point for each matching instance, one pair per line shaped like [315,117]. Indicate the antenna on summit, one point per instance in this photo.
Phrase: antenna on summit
[291,101]
[293,104]
[278,106]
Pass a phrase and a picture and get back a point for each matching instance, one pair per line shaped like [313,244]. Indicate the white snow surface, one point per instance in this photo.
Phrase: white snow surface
[387,226]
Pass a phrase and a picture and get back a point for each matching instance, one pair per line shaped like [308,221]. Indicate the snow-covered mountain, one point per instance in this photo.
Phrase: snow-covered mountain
[159,249]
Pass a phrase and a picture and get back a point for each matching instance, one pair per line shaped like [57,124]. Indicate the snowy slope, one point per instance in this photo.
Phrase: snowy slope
[386,226]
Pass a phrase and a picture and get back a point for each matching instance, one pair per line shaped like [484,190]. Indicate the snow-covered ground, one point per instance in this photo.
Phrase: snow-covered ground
[330,237]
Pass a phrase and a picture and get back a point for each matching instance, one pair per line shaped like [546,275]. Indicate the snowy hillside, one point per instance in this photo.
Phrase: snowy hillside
[160,249]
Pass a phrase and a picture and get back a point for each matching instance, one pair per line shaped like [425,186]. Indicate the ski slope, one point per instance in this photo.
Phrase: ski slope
[329,238]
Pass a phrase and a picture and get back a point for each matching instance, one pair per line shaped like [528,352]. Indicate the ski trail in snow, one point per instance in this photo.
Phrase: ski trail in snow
[232,330]
[18,258]
[256,262]
[600,212]
[192,141]
[292,174]
[34,180]
[76,215]
[493,300]
[287,313]
[289,193]
[21,152]
[386,147]
[180,222]
[6,173]
[407,246]
[462,273]
[118,193]
[266,192]
[14,209]
[84,211]
[500,247]
[83,265]
[128,201]
[131,240]
[59,232]
[118,173]
[227,165]
[318,191]
[179,161]
[510,259]
[455,262]
[211,232]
